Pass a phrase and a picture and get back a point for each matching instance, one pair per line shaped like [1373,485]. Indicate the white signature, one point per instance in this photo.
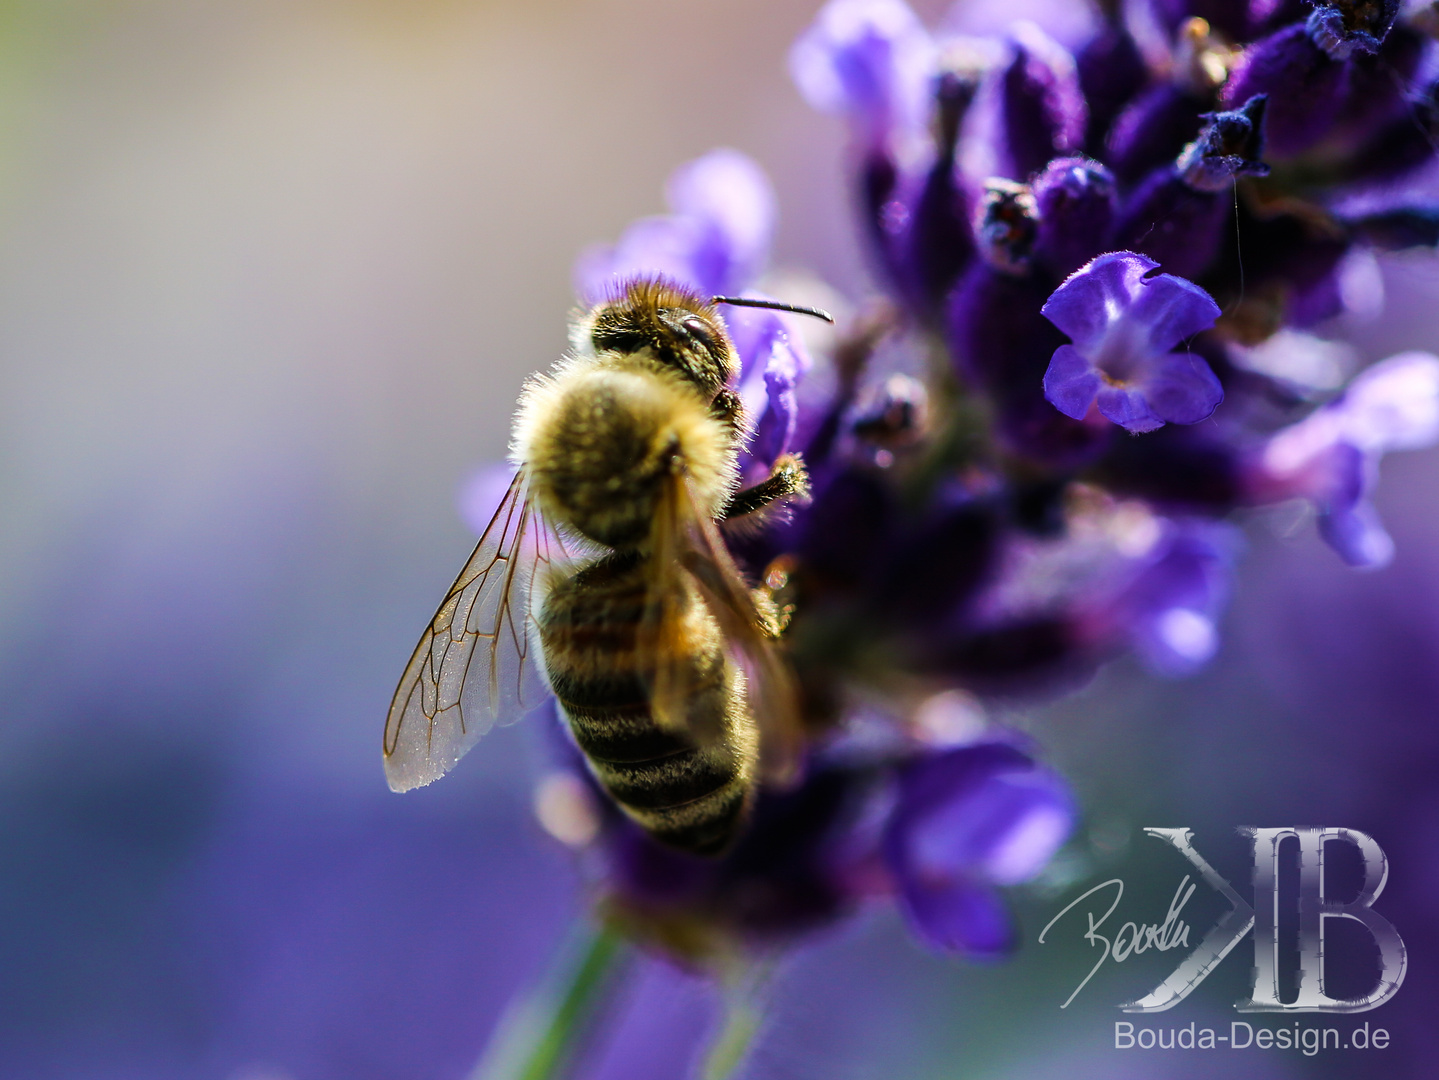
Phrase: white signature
[1131,939]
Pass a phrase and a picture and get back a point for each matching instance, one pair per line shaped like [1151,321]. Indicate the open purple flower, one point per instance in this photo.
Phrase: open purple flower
[1166,601]
[967,820]
[1331,457]
[1124,324]
[716,238]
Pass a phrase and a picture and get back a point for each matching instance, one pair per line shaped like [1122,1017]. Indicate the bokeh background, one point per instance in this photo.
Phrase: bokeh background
[271,273]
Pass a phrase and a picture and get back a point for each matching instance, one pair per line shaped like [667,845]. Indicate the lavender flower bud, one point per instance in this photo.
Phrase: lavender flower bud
[1230,145]
[940,241]
[1111,72]
[1152,130]
[1178,216]
[1320,101]
[1076,202]
[1042,107]
[1184,468]
[936,564]
[895,415]
[1161,122]
[999,346]
[848,521]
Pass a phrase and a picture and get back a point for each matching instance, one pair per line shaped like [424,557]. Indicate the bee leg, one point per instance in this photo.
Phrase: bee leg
[787,480]
[728,408]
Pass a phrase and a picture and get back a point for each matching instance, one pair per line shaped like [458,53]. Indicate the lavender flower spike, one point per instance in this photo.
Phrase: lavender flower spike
[1124,325]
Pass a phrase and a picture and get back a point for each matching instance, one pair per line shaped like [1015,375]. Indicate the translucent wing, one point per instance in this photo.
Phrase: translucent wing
[478,662]
[690,539]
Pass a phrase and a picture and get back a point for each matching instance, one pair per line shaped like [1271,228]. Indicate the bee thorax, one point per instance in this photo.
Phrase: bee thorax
[600,441]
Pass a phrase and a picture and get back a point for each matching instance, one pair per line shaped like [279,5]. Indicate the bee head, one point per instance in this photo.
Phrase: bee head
[680,329]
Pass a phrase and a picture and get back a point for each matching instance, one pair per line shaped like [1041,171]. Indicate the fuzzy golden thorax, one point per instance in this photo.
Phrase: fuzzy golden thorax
[603,438]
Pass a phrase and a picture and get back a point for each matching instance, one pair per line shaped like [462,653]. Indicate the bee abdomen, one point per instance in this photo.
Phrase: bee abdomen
[706,826]
[688,784]
[624,736]
[687,794]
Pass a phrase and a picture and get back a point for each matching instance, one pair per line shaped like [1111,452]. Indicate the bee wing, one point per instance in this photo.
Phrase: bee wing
[478,662]
[661,640]
[751,631]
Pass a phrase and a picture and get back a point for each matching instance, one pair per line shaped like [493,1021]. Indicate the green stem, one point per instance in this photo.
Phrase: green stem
[746,990]
[537,1040]
[727,1053]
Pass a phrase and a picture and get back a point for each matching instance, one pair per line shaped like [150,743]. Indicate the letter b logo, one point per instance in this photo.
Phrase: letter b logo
[1314,909]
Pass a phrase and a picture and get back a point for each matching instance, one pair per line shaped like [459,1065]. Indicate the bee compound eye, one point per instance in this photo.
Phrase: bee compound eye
[699,329]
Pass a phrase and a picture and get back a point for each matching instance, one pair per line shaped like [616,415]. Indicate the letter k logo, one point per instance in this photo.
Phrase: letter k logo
[1228,932]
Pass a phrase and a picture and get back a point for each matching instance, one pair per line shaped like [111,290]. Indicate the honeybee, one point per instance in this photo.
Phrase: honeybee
[604,579]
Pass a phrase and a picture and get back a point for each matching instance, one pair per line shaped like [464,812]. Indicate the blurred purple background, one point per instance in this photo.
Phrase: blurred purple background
[271,275]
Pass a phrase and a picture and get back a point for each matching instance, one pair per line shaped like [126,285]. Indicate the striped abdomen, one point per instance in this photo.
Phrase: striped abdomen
[689,793]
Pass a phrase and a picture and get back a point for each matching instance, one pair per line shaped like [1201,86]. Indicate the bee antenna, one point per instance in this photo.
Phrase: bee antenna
[773,305]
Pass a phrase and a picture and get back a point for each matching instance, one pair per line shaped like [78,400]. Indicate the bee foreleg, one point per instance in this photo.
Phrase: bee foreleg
[787,480]
[728,408]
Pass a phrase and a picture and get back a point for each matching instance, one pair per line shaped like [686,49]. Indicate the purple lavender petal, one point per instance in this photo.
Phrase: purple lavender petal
[716,240]
[1182,389]
[1173,309]
[729,192]
[671,246]
[1127,407]
[1393,405]
[1358,536]
[986,812]
[958,917]
[1071,382]
[1123,324]
[1091,298]
[964,820]
[774,435]
[869,59]
[1169,609]
[1332,456]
